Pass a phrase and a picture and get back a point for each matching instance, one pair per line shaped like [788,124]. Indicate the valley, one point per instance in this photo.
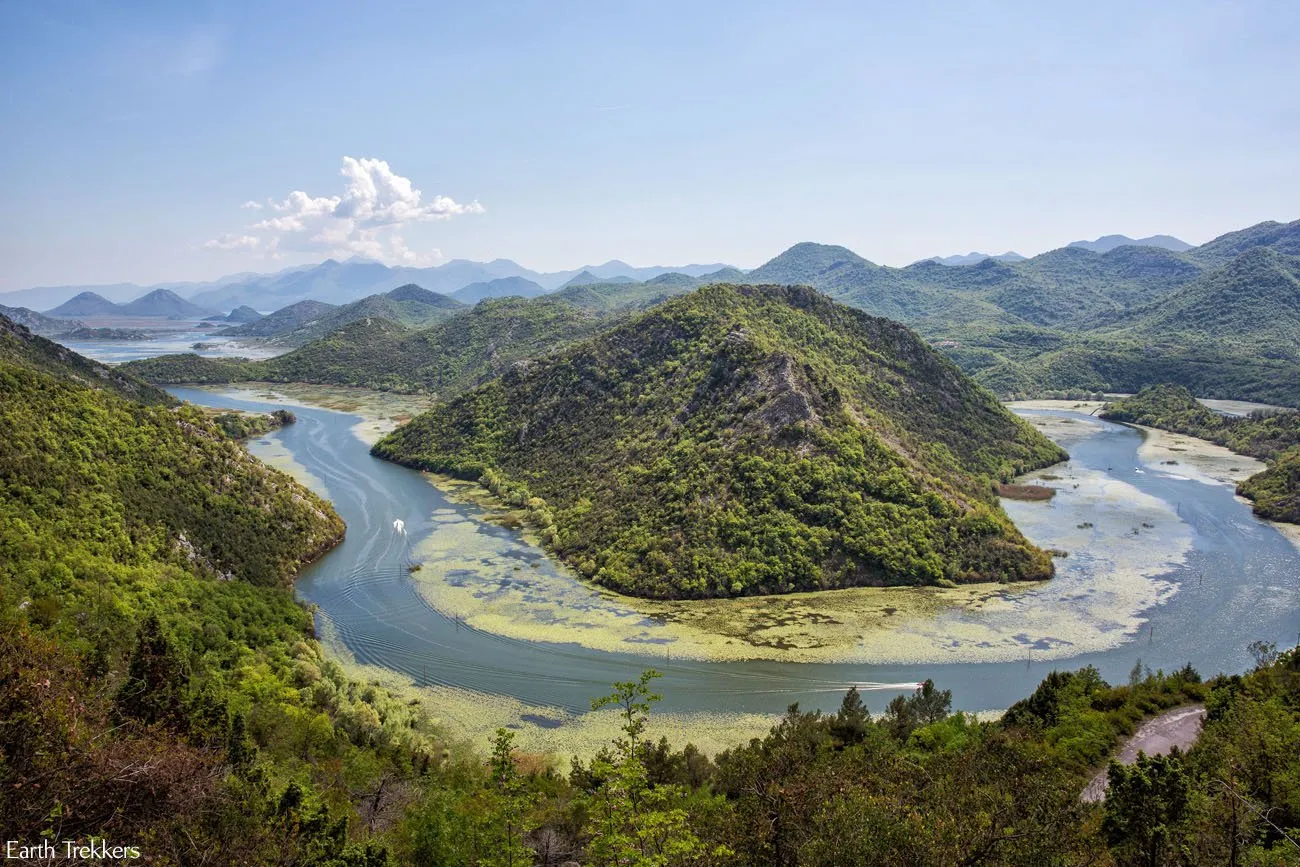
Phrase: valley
[763,494]
[487,613]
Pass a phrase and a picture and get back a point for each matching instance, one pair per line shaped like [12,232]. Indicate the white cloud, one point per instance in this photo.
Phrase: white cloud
[364,221]
[251,205]
[234,242]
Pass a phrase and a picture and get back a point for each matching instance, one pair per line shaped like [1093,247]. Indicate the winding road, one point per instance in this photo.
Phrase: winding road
[1179,727]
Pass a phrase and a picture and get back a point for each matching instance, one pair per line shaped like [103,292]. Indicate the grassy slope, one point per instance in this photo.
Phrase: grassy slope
[742,440]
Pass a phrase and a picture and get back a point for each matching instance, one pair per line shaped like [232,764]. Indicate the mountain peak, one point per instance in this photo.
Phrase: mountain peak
[743,374]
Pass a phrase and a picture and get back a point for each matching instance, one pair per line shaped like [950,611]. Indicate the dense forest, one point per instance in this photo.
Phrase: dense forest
[743,440]
[1273,437]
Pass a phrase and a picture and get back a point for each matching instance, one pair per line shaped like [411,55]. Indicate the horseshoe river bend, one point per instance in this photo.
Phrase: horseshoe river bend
[1164,566]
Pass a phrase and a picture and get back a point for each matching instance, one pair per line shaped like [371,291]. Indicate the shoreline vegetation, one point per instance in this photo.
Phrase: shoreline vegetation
[863,624]
[1271,436]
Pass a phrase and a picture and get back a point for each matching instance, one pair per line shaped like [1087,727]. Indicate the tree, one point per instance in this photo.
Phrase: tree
[927,705]
[509,805]
[630,822]
[1145,804]
[849,725]
[155,678]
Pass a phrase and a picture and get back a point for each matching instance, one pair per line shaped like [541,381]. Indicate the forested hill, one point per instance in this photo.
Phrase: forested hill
[746,439]
[376,353]
[159,687]
[140,484]
[19,346]
[301,323]
[1273,437]
[1253,300]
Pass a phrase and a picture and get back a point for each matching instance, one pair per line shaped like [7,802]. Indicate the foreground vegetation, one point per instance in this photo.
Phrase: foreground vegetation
[1273,437]
[743,440]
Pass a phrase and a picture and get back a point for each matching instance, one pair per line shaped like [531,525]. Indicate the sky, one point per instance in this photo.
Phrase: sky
[168,141]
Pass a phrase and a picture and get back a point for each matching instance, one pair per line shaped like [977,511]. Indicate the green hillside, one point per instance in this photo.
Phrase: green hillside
[376,353]
[1251,303]
[282,321]
[1272,437]
[20,346]
[159,687]
[301,323]
[745,440]
[1282,237]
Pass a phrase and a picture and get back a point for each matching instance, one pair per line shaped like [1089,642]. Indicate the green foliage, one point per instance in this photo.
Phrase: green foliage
[1145,804]
[743,440]
[20,346]
[158,683]
[631,821]
[1271,436]
[241,425]
[376,353]
[1275,492]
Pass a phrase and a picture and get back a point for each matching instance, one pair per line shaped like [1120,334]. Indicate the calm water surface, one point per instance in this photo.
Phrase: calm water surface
[1240,583]
[168,343]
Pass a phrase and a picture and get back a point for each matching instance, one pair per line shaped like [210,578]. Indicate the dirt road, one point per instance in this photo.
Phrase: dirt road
[1174,728]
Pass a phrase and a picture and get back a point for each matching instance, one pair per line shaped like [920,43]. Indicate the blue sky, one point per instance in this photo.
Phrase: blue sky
[566,133]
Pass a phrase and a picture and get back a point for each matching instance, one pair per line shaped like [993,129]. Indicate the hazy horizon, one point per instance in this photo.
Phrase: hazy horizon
[238,137]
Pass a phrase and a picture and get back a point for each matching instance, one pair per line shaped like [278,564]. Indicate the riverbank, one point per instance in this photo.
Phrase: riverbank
[1120,541]
[1110,588]
[381,411]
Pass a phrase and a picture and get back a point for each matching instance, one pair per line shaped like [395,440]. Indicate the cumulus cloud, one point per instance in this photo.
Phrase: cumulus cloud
[362,221]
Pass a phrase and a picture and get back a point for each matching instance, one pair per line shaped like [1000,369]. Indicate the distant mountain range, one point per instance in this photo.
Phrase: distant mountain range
[1106,243]
[1066,321]
[334,282]
[159,302]
[342,282]
[975,258]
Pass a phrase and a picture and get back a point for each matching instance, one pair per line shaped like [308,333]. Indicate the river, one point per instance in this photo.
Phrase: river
[1231,580]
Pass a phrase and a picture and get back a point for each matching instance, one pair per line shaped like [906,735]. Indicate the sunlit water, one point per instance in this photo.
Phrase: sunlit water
[1230,580]
[167,343]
